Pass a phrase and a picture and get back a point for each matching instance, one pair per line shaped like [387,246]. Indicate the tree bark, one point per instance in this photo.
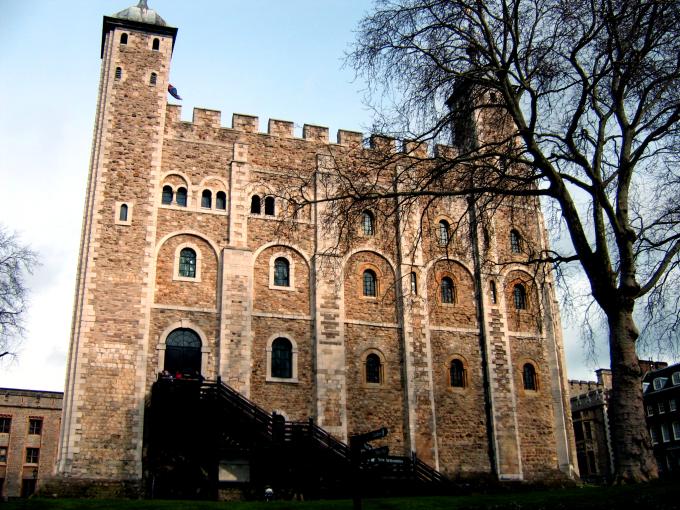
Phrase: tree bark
[632,446]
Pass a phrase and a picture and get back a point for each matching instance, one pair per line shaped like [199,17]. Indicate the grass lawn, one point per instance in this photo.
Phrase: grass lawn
[657,496]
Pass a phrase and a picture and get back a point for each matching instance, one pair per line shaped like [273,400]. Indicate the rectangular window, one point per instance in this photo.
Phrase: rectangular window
[665,435]
[3,455]
[654,436]
[675,378]
[578,431]
[650,410]
[35,426]
[676,430]
[32,455]
[662,408]
[592,465]
[672,405]
[588,430]
[5,424]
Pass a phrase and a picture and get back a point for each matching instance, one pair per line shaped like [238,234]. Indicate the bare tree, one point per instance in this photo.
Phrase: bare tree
[16,260]
[573,102]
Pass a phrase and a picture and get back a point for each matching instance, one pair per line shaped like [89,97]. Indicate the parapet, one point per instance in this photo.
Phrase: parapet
[207,118]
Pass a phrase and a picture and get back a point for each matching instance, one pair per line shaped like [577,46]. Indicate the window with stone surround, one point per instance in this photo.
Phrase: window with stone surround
[206,199]
[156,45]
[457,374]
[281,272]
[187,263]
[153,79]
[529,377]
[221,200]
[35,426]
[181,197]
[183,352]
[119,73]
[123,38]
[255,207]
[367,223]
[519,295]
[5,424]
[123,213]
[374,368]
[448,291]
[32,455]
[269,206]
[167,195]
[282,357]
[370,283]
[515,241]
[443,233]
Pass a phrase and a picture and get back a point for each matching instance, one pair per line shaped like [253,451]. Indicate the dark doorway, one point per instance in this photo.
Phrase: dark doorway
[183,352]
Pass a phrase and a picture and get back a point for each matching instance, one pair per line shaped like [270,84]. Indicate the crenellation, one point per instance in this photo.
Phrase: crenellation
[315,133]
[245,123]
[383,144]
[415,148]
[207,118]
[282,128]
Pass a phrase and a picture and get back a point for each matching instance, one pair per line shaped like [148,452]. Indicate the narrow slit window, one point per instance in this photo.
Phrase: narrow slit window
[153,79]
[269,208]
[515,242]
[119,73]
[414,283]
[494,296]
[123,38]
[206,199]
[367,223]
[123,214]
[443,233]
[156,45]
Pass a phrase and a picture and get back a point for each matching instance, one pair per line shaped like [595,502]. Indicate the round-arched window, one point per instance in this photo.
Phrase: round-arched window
[457,374]
[520,297]
[282,358]
[367,223]
[447,290]
[373,369]
[187,263]
[529,377]
[281,272]
[443,232]
[183,352]
[370,284]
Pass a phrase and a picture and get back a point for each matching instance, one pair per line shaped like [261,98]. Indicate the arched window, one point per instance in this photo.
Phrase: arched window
[183,352]
[167,195]
[156,45]
[221,200]
[520,297]
[255,205]
[281,272]
[529,377]
[123,38]
[457,374]
[447,290]
[187,263]
[181,197]
[282,358]
[494,296]
[443,232]
[373,369]
[119,73]
[370,284]
[123,214]
[269,206]
[367,223]
[515,241]
[153,79]
[206,199]
[414,283]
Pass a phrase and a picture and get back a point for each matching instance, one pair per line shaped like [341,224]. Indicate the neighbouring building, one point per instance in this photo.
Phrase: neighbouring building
[29,435]
[191,262]
[661,394]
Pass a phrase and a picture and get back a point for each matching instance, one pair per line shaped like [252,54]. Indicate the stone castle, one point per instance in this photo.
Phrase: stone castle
[189,263]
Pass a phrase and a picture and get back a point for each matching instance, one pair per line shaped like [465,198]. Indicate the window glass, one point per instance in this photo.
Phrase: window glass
[414,283]
[494,296]
[153,79]
[35,426]
[672,405]
[119,73]
[370,289]
[281,272]
[255,205]
[447,290]
[32,455]
[156,44]
[515,242]
[187,263]
[123,215]
[183,353]
[373,369]
[659,382]
[167,195]
[181,197]
[367,223]
[520,297]
[665,435]
[662,408]
[457,374]
[676,378]
[3,454]
[654,435]
[443,232]
[221,200]
[650,410]
[282,358]
[529,377]
[206,199]
[269,206]
[5,424]
[676,430]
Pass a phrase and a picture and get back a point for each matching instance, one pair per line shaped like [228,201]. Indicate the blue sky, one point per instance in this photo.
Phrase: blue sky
[272,59]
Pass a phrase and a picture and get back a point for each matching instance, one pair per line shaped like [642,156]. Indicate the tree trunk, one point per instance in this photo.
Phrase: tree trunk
[633,456]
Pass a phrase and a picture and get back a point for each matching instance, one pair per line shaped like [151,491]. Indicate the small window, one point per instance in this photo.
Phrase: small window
[153,79]
[654,435]
[650,410]
[181,197]
[255,205]
[35,426]
[520,297]
[370,284]
[665,434]
[588,429]
[156,45]
[515,242]
[5,424]
[367,223]
[269,209]
[672,405]
[457,374]
[529,377]
[675,378]
[447,290]
[443,232]
[494,296]
[119,73]
[659,382]
[662,408]
[187,263]
[676,430]
[282,358]
[221,200]
[3,456]
[373,369]
[281,272]
[167,195]
[645,387]
[123,214]
[414,283]
[206,199]
[32,455]
[123,38]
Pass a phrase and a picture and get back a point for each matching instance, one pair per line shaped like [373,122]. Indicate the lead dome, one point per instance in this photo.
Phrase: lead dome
[142,14]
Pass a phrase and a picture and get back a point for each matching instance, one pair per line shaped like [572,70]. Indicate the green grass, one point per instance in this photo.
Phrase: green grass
[657,496]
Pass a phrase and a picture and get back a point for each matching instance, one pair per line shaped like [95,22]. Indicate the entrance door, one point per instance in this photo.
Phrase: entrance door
[183,352]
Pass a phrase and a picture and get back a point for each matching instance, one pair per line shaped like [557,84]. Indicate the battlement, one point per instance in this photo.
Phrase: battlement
[212,119]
